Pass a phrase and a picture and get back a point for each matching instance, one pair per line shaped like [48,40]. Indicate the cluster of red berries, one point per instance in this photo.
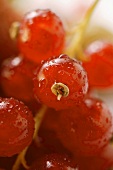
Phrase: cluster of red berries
[76,129]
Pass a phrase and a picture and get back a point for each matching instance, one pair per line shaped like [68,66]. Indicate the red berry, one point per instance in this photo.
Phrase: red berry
[16,126]
[53,162]
[100,64]
[41,35]
[60,82]
[92,163]
[86,130]
[16,78]
[48,132]
[102,161]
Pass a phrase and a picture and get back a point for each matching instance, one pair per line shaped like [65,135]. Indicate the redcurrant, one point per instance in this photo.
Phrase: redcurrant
[86,130]
[41,35]
[16,78]
[54,162]
[48,132]
[60,82]
[16,126]
[100,64]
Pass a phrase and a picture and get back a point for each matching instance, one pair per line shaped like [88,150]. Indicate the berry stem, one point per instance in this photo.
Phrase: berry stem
[75,47]
[38,119]
[21,160]
[21,157]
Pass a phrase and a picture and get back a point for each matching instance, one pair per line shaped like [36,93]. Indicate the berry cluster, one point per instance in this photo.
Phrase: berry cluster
[48,117]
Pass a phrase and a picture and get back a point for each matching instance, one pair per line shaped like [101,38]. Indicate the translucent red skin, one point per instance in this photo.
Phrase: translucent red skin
[46,35]
[102,161]
[64,70]
[53,162]
[48,132]
[93,163]
[16,79]
[100,65]
[86,130]
[16,126]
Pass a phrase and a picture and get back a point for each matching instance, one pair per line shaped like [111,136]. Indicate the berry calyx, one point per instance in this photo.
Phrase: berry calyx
[60,89]
[60,82]
[41,35]
[13,31]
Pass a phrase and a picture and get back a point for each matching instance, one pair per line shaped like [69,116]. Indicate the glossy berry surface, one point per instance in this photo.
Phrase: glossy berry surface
[48,132]
[102,161]
[93,163]
[53,162]
[41,35]
[16,78]
[86,130]
[100,64]
[16,126]
[60,82]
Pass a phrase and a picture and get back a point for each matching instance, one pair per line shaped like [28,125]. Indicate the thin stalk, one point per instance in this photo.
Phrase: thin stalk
[75,47]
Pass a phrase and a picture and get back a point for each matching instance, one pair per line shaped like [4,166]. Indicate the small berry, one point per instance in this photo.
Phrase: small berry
[48,132]
[16,78]
[53,162]
[16,126]
[60,82]
[85,130]
[99,65]
[41,35]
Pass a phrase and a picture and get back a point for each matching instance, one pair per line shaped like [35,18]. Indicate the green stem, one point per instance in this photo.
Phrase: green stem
[38,119]
[75,47]
[21,160]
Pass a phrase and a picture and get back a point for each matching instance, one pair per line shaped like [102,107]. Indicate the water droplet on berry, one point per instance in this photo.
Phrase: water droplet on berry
[2,105]
[10,106]
[31,14]
[16,61]
[9,110]
[48,164]
[19,108]
[1,122]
